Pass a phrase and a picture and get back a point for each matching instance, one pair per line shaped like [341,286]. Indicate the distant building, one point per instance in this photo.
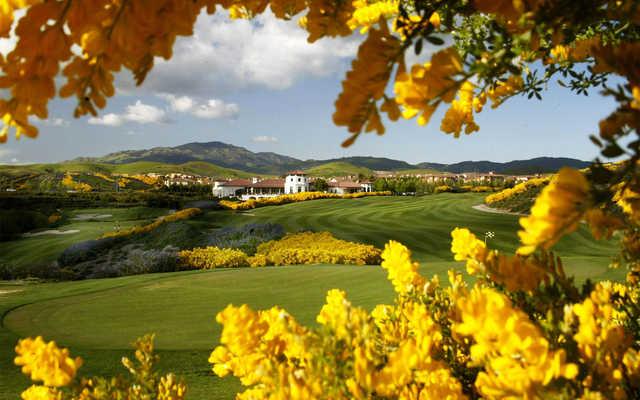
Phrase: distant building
[344,187]
[296,182]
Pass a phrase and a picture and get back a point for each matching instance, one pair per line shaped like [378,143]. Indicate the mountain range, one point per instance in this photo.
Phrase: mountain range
[268,163]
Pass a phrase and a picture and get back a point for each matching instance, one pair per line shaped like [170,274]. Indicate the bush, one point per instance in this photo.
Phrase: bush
[85,251]
[293,198]
[317,248]
[245,238]
[177,216]
[15,222]
[213,257]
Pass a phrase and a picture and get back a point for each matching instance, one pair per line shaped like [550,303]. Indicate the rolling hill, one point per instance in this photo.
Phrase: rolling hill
[338,168]
[241,159]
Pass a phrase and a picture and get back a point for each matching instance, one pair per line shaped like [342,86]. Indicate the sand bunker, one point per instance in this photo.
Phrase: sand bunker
[51,232]
[84,217]
[485,208]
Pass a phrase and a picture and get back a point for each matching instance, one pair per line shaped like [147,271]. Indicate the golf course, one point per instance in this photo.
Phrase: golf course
[99,318]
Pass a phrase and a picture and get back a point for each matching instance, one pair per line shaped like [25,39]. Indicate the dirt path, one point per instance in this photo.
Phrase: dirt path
[485,208]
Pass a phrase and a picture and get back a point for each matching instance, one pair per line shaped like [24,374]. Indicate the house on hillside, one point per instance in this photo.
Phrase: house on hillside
[296,182]
[344,187]
[293,182]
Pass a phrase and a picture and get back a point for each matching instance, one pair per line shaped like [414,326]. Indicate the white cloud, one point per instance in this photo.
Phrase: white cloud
[226,54]
[216,109]
[179,104]
[145,113]
[265,139]
[213,108]
[110,119]
[138,112]
[55,122]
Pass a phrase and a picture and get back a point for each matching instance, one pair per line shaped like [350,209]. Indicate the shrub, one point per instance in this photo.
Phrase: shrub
[443,189]
[177,216]
[517,189]
[245,238]
[317,248]
[15,222]
[213,257]
[293,198]
[85,251]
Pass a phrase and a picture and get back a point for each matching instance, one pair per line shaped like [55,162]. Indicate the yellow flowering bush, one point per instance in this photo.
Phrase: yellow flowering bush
[68,182]
[507,336]
[315,248]
[443,189]
[176,216]
[46,362]
[517,189]
[294,198]
[212,257]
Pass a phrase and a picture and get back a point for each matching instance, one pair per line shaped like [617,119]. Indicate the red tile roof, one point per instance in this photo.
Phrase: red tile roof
[345,185]
[296,172]
[237,183]
[269,183]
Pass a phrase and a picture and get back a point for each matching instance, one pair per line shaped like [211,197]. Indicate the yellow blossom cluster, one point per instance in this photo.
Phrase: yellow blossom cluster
[415,91]
[604,344]
[515,272]
[68,181]
[294,198]
[368,14]
[176,216]
[517,359]
[517,189]
[316,248]
[557,210]
[503,90]
[461,112]
[213,257]
[365,83]
[103,176]
[46,362]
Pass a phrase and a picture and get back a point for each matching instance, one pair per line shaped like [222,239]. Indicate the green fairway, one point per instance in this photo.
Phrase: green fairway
[97,319]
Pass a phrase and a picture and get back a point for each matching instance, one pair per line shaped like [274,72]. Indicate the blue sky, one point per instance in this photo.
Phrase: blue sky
[260,85]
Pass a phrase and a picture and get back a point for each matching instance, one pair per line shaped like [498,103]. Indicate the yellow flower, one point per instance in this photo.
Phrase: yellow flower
[46,362]
[460,113]
[403,273]
[36,392]
[556,211]
[170,388]
[467,247]
[416,90]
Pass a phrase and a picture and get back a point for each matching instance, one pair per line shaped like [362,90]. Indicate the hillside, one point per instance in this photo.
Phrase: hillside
[338,168]
[241,159]
[532,166]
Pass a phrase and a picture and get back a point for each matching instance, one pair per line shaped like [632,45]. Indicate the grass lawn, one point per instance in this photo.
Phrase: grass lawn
[97,319]
[46,248]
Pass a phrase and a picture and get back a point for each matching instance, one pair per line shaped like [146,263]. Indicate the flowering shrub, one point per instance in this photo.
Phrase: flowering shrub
[316,248]
[68,182]
[177,216]
[53,218]
[443,189]
[293,198]
[517,189]
[481,189]
[507,336]
[213,257]
[55,373]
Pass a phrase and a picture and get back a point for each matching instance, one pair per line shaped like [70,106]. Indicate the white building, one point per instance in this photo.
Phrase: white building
[296,182]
